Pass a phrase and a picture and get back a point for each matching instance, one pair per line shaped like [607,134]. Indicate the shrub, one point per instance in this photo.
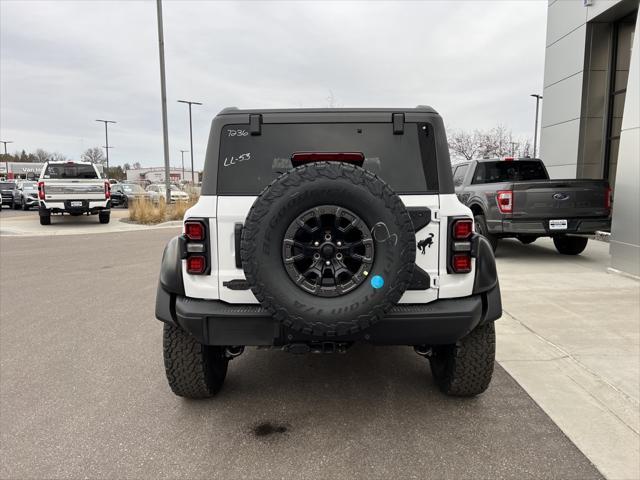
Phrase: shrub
[147,212]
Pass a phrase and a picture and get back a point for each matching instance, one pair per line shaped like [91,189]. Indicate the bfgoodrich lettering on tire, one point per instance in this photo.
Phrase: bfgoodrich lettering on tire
[328,248]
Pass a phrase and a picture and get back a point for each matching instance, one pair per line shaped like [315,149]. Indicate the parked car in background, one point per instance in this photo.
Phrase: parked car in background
[6,191]
[516,198]
[125,193]
[25,195]
[75,188]
[158,192]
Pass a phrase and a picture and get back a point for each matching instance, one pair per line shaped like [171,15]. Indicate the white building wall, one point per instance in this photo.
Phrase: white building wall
[625,230]
[562,89]
[573,113]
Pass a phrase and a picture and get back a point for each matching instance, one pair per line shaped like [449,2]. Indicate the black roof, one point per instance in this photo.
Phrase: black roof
[418,109]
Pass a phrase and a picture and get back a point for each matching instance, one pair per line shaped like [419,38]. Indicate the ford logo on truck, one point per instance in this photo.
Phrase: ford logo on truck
[560,196]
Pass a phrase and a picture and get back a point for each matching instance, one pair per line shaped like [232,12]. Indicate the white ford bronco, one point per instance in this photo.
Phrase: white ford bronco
[317,229]
[75,188]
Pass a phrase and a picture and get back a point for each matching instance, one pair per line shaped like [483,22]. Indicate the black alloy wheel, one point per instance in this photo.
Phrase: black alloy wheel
[328,251]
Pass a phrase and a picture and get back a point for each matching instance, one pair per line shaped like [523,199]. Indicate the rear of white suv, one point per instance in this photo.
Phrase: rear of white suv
[317,229]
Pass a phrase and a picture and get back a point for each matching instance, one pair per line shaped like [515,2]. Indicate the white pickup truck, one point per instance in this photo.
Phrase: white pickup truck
[75,188]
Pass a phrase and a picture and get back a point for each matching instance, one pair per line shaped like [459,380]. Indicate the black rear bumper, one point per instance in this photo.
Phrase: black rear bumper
[540,226]
[213,322]
[443,321]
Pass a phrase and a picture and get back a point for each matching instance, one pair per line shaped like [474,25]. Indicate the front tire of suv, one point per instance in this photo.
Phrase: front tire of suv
[465,368]
[570,245]
[104,217]
[193,370]
[482,229]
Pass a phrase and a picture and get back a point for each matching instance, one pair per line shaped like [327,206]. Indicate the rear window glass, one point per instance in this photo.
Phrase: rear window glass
[70,170]
[247,163]
[515,171]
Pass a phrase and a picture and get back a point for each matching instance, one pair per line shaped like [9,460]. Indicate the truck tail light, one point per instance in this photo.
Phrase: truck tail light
[194,230]
[462,229]
[460,234]
[107,190]
[461,262]
[197,253]
[608,198]
[505,201]
[196,264]
[41,190]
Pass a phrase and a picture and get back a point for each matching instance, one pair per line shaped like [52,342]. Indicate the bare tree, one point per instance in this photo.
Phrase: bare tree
[93,155]
[126,167]
[464,144]
[58,157]
[41,155]
[137,165]
[496,142]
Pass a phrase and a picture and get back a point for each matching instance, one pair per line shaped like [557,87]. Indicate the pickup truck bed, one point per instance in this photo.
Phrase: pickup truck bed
[517,199]
[75,188]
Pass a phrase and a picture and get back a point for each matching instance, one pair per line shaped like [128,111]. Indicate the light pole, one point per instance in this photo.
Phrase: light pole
[182,155]
[163,94]
[6,160]
[106,140]
[535,132]
[193,181]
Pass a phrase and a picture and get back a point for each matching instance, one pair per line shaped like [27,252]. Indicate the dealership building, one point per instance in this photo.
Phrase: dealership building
[156,175]
[16,170]
[591,110]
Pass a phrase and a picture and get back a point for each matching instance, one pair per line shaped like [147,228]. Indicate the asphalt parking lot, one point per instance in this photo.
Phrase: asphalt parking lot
[83,392]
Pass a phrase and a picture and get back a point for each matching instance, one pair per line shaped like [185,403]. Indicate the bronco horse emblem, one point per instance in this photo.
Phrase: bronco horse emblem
[427,242]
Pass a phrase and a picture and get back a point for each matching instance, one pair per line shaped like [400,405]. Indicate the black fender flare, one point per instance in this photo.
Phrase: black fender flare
[171,266]
[170,283]
[486,278]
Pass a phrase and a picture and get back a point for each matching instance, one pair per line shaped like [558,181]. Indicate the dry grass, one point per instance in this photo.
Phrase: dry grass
[146,212]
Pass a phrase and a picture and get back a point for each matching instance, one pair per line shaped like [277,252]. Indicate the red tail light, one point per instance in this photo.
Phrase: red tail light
[608,194]
[300,158]
[194,230]
[505,201]
[462,229]
[196,264]
[41,190]
[461,263]
[107,190]
[508,159]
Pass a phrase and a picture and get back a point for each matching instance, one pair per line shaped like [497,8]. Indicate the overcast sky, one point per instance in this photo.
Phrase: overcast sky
[64,64]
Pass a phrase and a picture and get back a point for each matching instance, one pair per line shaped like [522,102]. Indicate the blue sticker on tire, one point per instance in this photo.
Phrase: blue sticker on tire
[377,281]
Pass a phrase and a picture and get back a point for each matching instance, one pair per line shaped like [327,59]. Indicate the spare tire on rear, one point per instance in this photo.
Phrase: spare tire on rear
[328,248]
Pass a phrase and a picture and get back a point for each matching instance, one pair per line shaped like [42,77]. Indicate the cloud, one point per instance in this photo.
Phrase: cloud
[65,64]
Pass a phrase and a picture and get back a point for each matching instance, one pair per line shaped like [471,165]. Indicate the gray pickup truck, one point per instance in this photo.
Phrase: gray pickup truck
[516,198]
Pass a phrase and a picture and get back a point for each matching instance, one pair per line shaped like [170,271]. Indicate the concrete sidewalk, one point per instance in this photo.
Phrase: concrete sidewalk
[28,224]
[570,335]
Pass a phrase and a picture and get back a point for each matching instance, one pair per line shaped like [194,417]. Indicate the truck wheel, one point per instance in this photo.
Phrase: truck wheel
[193,370]
[15,205]
[104,217]
[24,206]
[570,245]
[125,204]
[328,248]
[481,228]
[45,219]
[465,368]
